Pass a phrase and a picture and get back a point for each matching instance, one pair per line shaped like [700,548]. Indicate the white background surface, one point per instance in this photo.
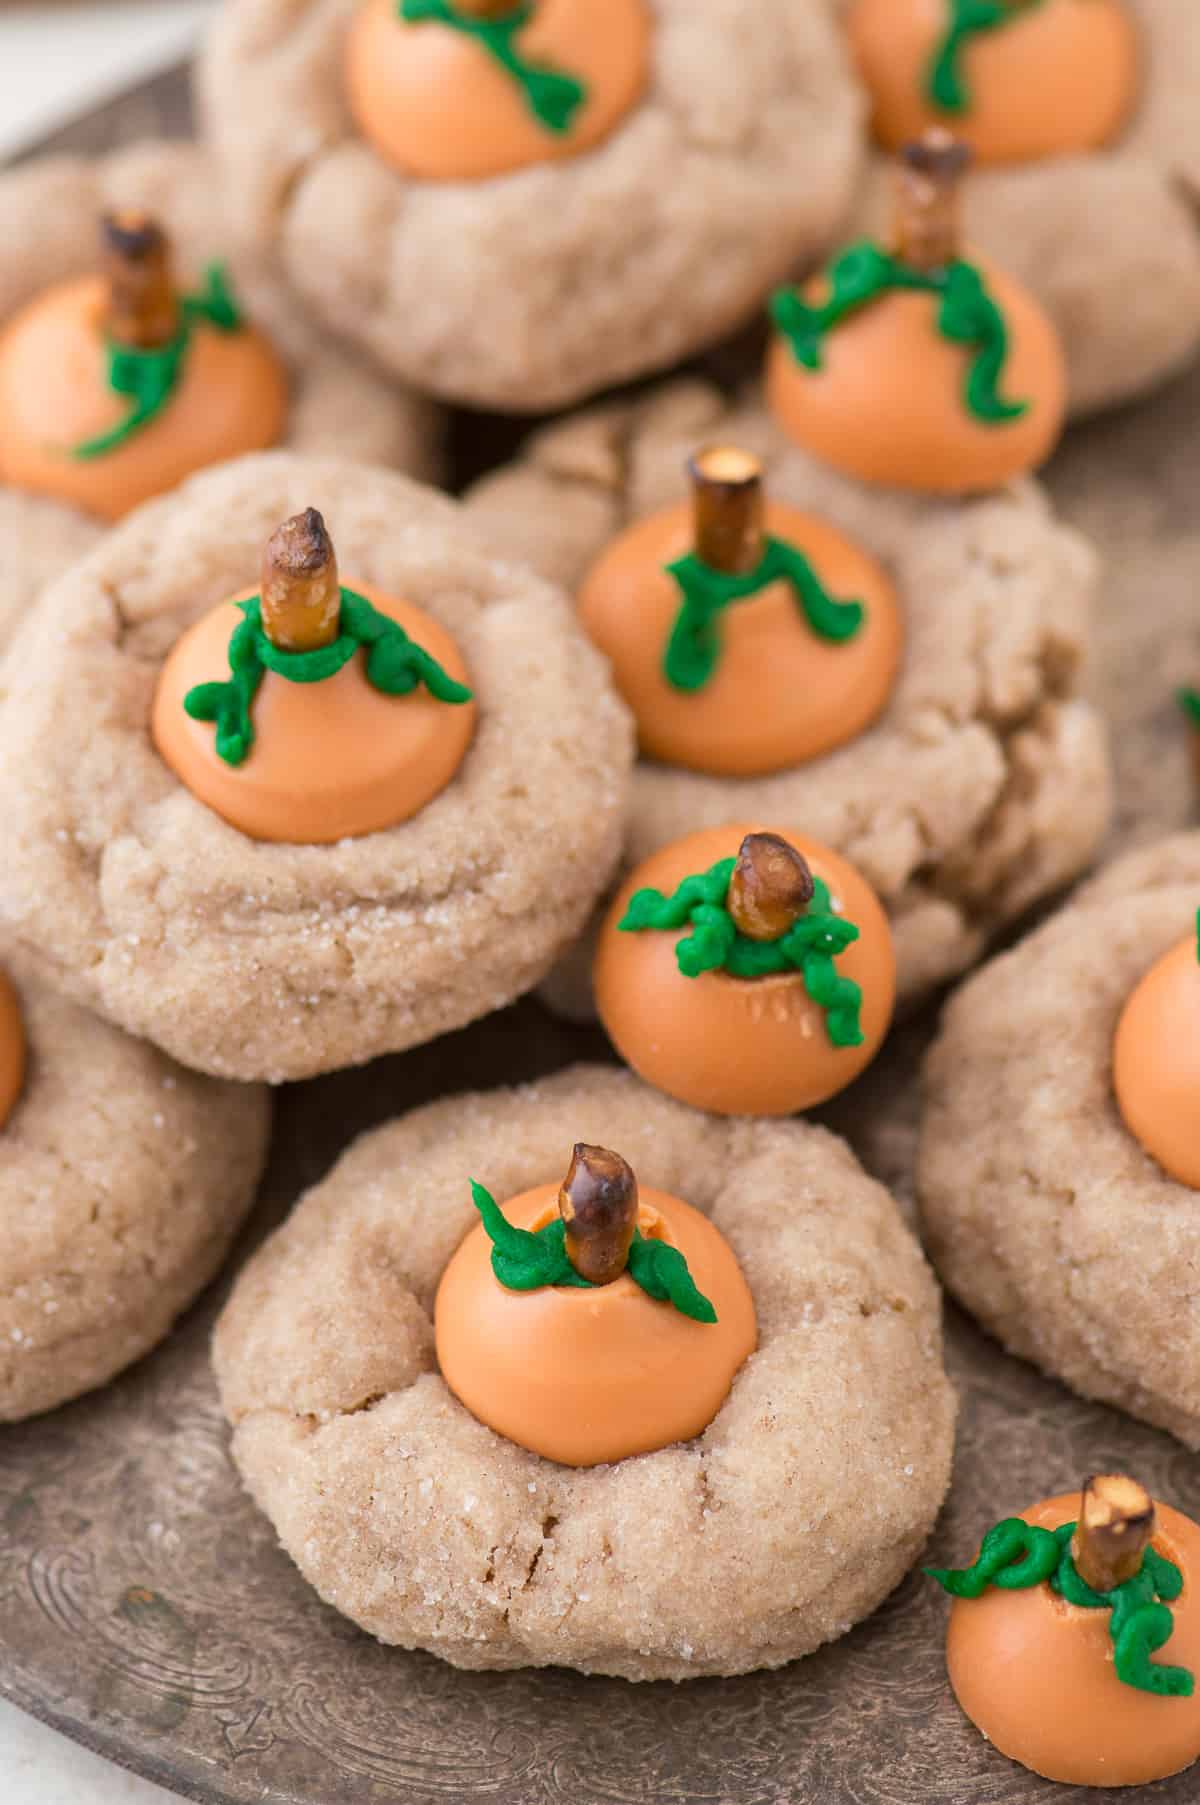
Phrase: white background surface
[58,58]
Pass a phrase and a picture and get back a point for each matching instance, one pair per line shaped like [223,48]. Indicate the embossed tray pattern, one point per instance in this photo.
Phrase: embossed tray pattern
[146,1610]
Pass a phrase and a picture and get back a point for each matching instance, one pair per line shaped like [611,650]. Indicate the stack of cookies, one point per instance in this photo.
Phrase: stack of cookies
[738,711]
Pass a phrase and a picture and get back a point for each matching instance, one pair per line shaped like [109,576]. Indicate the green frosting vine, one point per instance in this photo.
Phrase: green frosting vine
[945,84]
[810,945]
[149,378]
[396,664]
[524,1261]
[967,315]
[553,97]
[694,648]
[1189,701]
[1015,1554]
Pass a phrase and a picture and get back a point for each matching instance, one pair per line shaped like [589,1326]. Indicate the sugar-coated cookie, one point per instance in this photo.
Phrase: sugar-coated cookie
[51,240]
[123,1179]
[1046,1163]
[193,909]
[983,784]
[1103,234]
[715,149]
[782,1523]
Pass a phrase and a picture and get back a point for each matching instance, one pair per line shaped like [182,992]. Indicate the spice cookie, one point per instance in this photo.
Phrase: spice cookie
[982,783]
[40,538]
[138,343]
[1059,1163]
[367,1346]
[285,831]
[123,1179]
[1082,115]
[500,246]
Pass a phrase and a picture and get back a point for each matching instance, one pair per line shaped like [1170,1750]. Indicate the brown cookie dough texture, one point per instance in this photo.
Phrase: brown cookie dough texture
[40,538]
[254,960]
[338,406]
[1106,240]
[123,1179]
[538,287]
[983,786]
[1041,1212]
[789,1519]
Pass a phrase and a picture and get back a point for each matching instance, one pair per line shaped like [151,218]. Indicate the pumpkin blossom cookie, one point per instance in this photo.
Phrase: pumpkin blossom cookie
[1080,114]
[895,674]
[138,341]
[1098,1589]
[338,814]
[434,175]
[1060,1156]
[746,973]
[511,1329]
[123,1179]
[914,363]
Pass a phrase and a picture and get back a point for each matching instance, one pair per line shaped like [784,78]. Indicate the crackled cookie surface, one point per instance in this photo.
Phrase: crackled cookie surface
[1106,239]
[538,285]
[984,783]
[123,1179]
[256,960]
[791,1516]
[1044,1214]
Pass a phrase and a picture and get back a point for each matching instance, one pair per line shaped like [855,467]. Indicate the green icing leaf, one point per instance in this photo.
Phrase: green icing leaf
[396,664]
[524,1261]
[149,378]
[967,315]
[809,947]
[1189,701]
[694,648]
[945,84]
[1016,1554]
[553,97]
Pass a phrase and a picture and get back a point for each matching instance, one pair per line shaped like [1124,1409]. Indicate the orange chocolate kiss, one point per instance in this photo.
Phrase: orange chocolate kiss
[231,398]
[739,1046]
[1156,1063]
[588,1376]
[780,694]
[888,405]
[1036,1674]
[1060,79]
[435,103]
[330,760]
[12,1048]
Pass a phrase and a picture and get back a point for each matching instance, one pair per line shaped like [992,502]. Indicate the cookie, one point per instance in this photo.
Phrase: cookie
[274,376]
[40,538]
[543,283]
[983,785]
[794,1513]
[1104,237]
[1042,1212]
[123,1179]
[253,959]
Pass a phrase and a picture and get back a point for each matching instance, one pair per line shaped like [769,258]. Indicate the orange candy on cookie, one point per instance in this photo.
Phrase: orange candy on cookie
[1016,79]
[1156,1061]
[1076,1654]
[746,636]
[589,1321]
[13,1051]
[326,714]
[465,90]
[919,366]
[745,972]
[113,388]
